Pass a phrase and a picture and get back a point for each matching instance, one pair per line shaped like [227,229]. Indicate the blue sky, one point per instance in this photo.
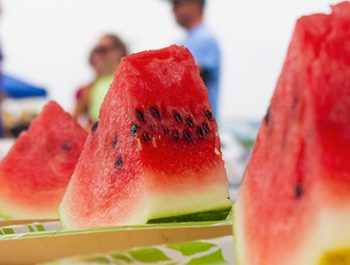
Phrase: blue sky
[47,42]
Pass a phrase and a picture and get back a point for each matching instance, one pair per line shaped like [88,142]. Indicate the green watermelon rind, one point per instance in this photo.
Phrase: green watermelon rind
[4,216]
[115,228]
[212,215]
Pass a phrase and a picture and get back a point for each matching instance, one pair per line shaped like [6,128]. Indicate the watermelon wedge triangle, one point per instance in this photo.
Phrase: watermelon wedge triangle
[293,207]
[35,173]
[154,155]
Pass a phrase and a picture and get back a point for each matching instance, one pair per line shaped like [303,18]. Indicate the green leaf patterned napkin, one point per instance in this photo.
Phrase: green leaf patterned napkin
[208,252]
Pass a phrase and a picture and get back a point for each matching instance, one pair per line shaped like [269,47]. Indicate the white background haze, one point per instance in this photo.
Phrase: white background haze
[47,42]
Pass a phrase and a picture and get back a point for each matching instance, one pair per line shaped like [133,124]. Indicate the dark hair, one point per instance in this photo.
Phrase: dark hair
[91,57]
[117,42]
[201,2]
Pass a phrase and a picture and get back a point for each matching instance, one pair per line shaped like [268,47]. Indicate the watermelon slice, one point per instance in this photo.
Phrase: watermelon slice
[154,155]
[294,204]
[35,173]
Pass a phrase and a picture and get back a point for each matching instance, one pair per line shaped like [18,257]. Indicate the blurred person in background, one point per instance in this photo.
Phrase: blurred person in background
[2,92]
[2,96]
[81,96]
[104,58]
[201,42]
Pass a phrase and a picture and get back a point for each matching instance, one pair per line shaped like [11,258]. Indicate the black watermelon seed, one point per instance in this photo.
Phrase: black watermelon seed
[146,137]
[119,162]
[209,115]
[187,136]
[189,122]
[298,190]
[139,115]
[115,141]
[134,129]
[66,146]
[176,136]
[155,113]
[178,117]
[200,133]
[205,127]
[267,116]
[166,130]
[94,127]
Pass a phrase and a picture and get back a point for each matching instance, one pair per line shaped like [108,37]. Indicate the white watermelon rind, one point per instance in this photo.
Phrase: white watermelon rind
[12,212]
[164,205]
[4,216]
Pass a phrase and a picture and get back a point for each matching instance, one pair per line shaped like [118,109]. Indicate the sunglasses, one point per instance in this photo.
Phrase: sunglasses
[178,2]
[103,50]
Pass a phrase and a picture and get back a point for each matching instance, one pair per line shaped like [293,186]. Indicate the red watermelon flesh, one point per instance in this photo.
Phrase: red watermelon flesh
[154,155]
[35,173]
[294,204]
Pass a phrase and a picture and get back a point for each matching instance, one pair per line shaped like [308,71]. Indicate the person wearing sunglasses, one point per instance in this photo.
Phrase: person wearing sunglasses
[189,14]
[104,59]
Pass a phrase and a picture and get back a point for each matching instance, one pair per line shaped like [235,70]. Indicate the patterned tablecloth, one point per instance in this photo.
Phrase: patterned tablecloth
[217,251]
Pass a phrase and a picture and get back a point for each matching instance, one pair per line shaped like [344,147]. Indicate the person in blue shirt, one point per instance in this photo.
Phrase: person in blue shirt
[2,95]
[201,42]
